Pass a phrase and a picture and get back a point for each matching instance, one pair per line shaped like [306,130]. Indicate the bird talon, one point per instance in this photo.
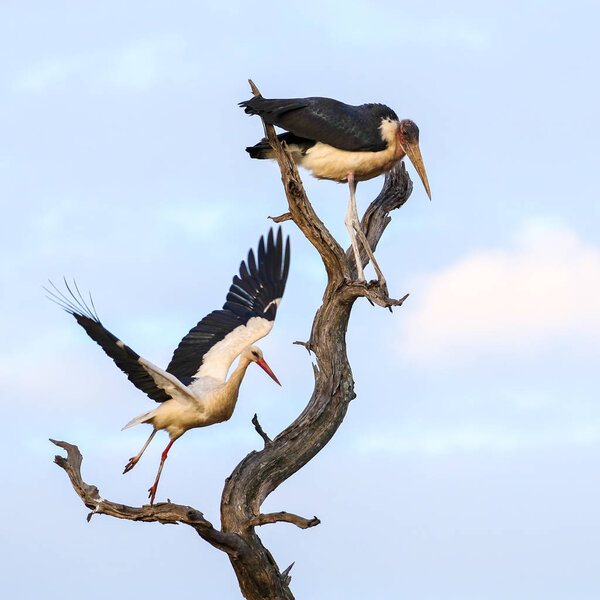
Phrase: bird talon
[152,494]
[132,462]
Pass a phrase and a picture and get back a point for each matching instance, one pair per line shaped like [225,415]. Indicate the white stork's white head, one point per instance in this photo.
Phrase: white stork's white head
[254,354]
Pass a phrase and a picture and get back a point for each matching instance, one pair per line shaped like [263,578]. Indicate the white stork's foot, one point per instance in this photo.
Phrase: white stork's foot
[132,462]
[152,493]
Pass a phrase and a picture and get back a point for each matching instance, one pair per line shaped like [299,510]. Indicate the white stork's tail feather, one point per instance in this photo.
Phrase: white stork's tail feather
[145,418]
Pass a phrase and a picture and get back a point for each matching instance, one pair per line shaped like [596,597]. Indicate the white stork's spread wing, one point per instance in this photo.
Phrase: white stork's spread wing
[125,358]
[169,383]
[353,128]
[247,315]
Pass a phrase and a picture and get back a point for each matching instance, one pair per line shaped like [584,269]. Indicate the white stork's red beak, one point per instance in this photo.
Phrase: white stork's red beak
[263,365]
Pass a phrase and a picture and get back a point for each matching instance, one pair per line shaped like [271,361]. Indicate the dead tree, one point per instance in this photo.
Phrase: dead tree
[261,472]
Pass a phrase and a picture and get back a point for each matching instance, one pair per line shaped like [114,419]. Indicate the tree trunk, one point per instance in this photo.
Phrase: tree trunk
[261,472]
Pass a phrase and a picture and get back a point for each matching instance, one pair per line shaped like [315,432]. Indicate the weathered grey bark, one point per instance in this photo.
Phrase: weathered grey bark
[261,472]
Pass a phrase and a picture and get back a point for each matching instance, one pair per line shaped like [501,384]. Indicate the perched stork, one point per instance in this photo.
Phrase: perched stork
[194,390]
[340,142]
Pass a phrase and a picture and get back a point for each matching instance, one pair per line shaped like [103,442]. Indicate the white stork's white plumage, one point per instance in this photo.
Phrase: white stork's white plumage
[194,390]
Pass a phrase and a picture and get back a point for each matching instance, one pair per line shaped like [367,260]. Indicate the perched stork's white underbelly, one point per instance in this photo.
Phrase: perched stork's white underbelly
[327,162]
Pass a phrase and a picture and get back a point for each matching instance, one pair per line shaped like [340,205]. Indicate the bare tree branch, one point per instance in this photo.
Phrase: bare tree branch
[162,512]
[261,472]
[285,576]
[396,190]
[281,218]
[301,209]
[260,430]
[285,517]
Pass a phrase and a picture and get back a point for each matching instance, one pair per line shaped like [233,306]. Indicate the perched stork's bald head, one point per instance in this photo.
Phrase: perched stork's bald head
[408,137]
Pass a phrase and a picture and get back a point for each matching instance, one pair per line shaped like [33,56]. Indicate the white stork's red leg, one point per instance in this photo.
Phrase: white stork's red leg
[152,490]
[134,459]
[350,226]
[353,225]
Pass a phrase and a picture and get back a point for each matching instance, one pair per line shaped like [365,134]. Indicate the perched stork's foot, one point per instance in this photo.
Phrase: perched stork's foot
[152,493]
[132,462]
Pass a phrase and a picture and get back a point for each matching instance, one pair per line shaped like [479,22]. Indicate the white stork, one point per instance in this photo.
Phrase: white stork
[340,142]
[194,390]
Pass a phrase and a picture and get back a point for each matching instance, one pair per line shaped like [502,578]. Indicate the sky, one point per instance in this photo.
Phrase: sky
[467,466]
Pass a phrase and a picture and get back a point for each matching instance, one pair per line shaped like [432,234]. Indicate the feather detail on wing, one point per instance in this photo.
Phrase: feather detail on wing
[346,127]
[247,315]
[124,357]
[169,383]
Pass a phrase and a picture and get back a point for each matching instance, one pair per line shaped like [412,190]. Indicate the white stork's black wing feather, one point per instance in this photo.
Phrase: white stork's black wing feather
[254,293]
[124,357]
[353,128]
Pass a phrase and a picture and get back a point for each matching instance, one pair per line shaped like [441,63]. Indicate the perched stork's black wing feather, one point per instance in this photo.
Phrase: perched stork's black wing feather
[254,294]
[353,128]
[125,358]
[294,143]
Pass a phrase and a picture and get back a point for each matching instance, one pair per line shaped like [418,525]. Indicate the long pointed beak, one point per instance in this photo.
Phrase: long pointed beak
[414,153]
[263,365]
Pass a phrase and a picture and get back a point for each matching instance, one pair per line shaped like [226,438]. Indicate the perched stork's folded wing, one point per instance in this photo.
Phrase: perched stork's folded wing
[352,128]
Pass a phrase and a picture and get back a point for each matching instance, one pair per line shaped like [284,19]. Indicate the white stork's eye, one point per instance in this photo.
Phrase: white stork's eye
[255,354]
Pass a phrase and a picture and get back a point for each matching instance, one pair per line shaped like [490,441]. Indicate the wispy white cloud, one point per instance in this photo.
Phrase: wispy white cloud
[541,289]
[47,74]
[138,65]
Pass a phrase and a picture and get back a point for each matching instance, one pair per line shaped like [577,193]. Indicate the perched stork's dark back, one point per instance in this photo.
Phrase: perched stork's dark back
[194,390]
[340,142]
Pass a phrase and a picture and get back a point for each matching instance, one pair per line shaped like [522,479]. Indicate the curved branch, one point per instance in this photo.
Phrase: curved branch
[283,517]
[162,512]
[260,473]
[301,210]
[396,190]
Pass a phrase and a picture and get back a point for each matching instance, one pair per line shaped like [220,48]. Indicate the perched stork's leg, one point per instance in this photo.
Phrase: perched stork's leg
[352,221]
[152,490]
[350,226]
[134,460]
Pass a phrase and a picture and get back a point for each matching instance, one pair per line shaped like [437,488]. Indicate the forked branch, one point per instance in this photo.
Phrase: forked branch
[261,472]
[161,512]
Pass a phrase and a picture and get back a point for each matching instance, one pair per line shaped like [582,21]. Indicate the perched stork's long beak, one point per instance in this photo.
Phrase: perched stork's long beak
[263,365]
[414,153]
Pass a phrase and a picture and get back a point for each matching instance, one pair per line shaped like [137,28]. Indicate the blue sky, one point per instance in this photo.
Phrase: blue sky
[467,466]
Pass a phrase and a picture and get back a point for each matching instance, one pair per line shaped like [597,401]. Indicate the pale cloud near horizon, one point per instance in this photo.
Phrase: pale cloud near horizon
[542,288]
[138,65]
